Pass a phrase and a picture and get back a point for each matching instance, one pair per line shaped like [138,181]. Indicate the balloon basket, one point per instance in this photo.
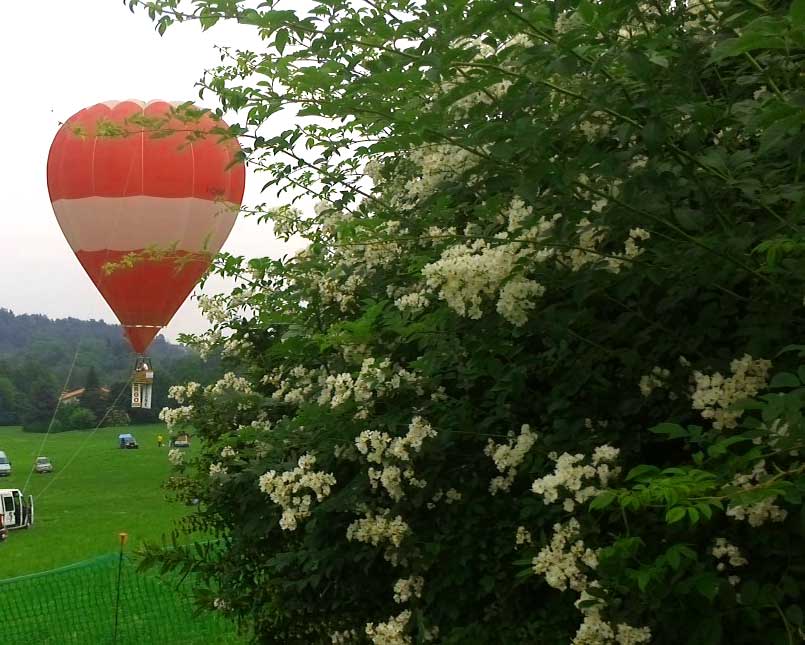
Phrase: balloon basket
[142,383]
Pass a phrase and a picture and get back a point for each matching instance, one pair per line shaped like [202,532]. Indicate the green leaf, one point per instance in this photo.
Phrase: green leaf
[673,557]
[794,615]
[707,585]
[281,39]
[641,470]
[792,348]
[720,448]
[603,500]
[673,430]
[675,514]
[784,380]
[797,13]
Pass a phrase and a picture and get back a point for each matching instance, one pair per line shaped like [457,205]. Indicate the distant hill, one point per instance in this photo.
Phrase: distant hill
[36,354]
[52,343]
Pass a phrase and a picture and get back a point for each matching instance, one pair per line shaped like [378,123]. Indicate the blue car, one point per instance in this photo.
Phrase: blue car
[127,441]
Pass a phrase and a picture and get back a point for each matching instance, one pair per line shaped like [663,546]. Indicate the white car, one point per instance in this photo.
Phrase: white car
[43,465]
[5,465]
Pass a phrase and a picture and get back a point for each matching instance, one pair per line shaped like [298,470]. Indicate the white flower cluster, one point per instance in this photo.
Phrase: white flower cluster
[229,382]
[183,393]
[437,165]
[285,220]
[205,343]
[392,632]
[288,490]
[341,292]
[508,456]
[715,395]
[344,637]
[560,561]
[375,379]
[655,379]
[778,431]
[590,237]
[522,537]
[174,417]
[220,604]
[228,451]
[235,347]
[759,513]
[571,474]
[376,444]
[732,553]
[631,250]
[467,273]
[487,96]
[217,470]
[414,302]
[214,308]
[704,15]
[450,497]
[517,297]
[375,528]
[594,630]
[407,588]
[381,448]
[176,456]
[595,126]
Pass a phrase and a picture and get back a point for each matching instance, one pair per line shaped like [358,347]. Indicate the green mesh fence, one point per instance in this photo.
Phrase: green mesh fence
[76,605]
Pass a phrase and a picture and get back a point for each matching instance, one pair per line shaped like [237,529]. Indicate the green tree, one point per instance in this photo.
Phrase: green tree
[9,401]
[76,417]
[531,379]
[41,399]
[94,398]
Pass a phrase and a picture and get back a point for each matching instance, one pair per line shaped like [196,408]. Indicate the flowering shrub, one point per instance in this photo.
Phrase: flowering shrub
[532,378]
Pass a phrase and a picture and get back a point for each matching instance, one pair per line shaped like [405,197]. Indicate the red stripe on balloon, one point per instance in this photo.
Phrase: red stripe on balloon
[147,294]
[183,164]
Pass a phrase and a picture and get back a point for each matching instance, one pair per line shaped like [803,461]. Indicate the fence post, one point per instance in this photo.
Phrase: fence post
[123,538]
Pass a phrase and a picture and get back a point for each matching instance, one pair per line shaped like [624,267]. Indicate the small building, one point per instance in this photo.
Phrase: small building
[74,396]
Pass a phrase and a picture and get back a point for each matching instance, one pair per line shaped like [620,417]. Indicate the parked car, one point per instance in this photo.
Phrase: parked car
[182,440]
[43,465]
[127,441]
[17,512]
[5,465]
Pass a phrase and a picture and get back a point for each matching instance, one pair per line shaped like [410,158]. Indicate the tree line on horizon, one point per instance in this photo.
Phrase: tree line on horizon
[36,356]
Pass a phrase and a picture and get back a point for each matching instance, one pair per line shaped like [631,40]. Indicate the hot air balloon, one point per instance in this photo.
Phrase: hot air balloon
[146,194]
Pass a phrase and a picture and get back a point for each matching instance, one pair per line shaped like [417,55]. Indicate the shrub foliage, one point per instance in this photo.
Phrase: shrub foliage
[535,376]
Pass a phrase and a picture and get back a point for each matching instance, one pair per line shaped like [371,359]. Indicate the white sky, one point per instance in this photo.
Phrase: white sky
[59,57]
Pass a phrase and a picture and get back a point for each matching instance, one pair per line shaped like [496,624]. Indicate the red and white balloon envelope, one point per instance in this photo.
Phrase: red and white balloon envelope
[146,195]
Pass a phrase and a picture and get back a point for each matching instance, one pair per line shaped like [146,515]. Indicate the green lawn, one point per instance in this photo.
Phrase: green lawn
[96,491]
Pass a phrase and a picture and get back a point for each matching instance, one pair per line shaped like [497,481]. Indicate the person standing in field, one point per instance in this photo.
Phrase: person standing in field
[160,440]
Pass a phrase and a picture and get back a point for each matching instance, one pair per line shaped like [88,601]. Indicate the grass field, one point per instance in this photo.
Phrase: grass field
[95,492]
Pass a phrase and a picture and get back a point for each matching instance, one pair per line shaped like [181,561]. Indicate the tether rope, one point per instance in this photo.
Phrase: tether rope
[53,418]
[87,438]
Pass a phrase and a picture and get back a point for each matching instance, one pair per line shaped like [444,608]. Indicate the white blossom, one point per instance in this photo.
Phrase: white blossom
[407,588]
[714,395]
[392,632]
[294,490]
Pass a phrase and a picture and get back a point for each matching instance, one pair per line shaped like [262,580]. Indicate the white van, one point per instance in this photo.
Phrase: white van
[17,512]
[5,465]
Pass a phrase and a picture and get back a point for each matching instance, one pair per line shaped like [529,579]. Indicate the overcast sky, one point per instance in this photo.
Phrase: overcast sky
[60,56]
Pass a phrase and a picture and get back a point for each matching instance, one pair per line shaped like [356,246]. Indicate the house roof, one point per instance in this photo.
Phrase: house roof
[74,394]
